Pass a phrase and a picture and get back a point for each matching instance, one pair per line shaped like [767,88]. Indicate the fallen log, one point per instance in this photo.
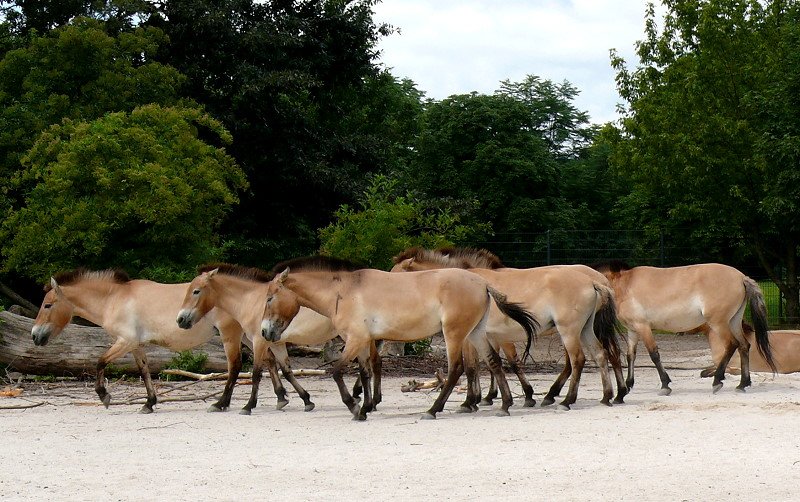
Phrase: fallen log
[224,375]
[76,350]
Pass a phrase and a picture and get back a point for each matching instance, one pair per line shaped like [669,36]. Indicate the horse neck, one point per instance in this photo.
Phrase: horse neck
[91,299]
[620,283]
[318,291]
[243,299]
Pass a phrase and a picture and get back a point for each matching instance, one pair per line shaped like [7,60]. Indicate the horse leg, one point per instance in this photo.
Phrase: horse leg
[367,404]
[348,353]
[737,334]
[510,351]
[491,394]
[141,362]
[492,359]
[561,379]
[650,342]
[600,356]
[282,358]
[577,361]
[454,371]
[633,343]
[719,374]
[376,363]
[232,342]
[117,350]
[261,355]
[622,387]
[473,385]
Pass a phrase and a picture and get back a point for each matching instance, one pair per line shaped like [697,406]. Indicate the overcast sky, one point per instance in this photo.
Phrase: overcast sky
[458,46]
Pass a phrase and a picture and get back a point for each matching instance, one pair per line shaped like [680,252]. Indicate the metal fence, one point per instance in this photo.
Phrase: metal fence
[636,247]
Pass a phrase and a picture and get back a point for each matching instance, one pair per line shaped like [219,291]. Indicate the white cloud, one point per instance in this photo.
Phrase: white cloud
[458,46]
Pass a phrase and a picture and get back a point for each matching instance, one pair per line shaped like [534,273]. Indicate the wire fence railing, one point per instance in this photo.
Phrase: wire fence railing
[636,247]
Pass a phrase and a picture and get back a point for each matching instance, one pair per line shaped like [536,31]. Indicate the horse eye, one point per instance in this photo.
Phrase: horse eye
[196,292]
[48,305]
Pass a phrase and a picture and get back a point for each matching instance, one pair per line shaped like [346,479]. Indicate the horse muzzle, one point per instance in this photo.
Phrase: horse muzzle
[185,319]
[272,330]
[41,335]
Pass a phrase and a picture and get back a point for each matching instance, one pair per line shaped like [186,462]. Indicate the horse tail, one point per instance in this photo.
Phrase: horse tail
[758,310]
[516,312]
[606,324]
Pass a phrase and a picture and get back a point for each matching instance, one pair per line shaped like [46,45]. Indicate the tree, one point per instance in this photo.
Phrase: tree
[484,148]
[138,190]
[710,136]
[387,223]
[292,81]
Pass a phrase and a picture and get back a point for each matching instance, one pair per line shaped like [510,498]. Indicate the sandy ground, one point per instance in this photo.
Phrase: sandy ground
[691,445]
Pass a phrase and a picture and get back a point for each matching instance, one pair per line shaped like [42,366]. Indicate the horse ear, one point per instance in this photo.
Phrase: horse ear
[406,265]
[54,285]
[212,273]
[283,275]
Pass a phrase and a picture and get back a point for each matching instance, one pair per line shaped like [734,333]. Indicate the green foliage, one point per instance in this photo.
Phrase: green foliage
[136,189]
[387,223]
[711,132]
[509,151]
[418,348]
[186,360]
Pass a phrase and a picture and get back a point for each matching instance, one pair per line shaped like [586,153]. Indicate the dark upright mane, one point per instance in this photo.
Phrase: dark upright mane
[613,266]
[453,257]
[249,273]
[116,275]
[316,263]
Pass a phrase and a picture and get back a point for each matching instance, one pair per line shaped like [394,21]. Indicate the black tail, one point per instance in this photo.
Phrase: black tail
[606,325]
[516,312]
[758,310]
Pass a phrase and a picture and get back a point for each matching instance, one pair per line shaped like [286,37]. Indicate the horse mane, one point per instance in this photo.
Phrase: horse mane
[115,275]
[316,263]
[612,266]
[453,257]
[250,273]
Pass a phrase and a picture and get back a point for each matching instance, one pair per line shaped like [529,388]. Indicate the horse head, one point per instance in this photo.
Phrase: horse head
[55,313]
[281,306]
[199,299]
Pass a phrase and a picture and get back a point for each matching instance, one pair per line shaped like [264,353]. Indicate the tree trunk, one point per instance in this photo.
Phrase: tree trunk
[75,351]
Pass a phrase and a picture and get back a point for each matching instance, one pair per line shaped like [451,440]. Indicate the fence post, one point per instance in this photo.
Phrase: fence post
[548,247]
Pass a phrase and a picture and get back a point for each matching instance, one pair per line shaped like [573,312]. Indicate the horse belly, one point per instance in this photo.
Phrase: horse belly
[402,328]
[674,318]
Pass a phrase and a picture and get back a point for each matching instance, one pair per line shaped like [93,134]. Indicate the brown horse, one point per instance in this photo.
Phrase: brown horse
[134,313]
[371,305]
[785,345]
[240,292]
[561,298]
[682,298]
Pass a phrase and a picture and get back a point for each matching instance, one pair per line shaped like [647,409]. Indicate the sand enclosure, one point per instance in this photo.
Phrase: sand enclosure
[691,445]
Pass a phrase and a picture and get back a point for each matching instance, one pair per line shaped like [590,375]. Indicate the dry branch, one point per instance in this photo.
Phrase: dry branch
[222,376]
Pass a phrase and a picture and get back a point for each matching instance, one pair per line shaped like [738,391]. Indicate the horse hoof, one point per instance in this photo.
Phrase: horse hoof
[146,410]
[309,406]
[665,391]
[547,401]
[464,409]
[428,416]
[529,403]
[106,400]
[486,402]
[562,407]
[629,384]
[475,408]
[281,405]
[707,373]
[245,411]
[502,413]
[216,409]
[359,418]
[740,389]
[606,402]
[618,400]
[716,387]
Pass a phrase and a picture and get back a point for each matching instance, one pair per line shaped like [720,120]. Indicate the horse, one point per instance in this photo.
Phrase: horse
[240,292]
[561,298]
[683,298]
[785,345]
[370,305]
[134,313]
